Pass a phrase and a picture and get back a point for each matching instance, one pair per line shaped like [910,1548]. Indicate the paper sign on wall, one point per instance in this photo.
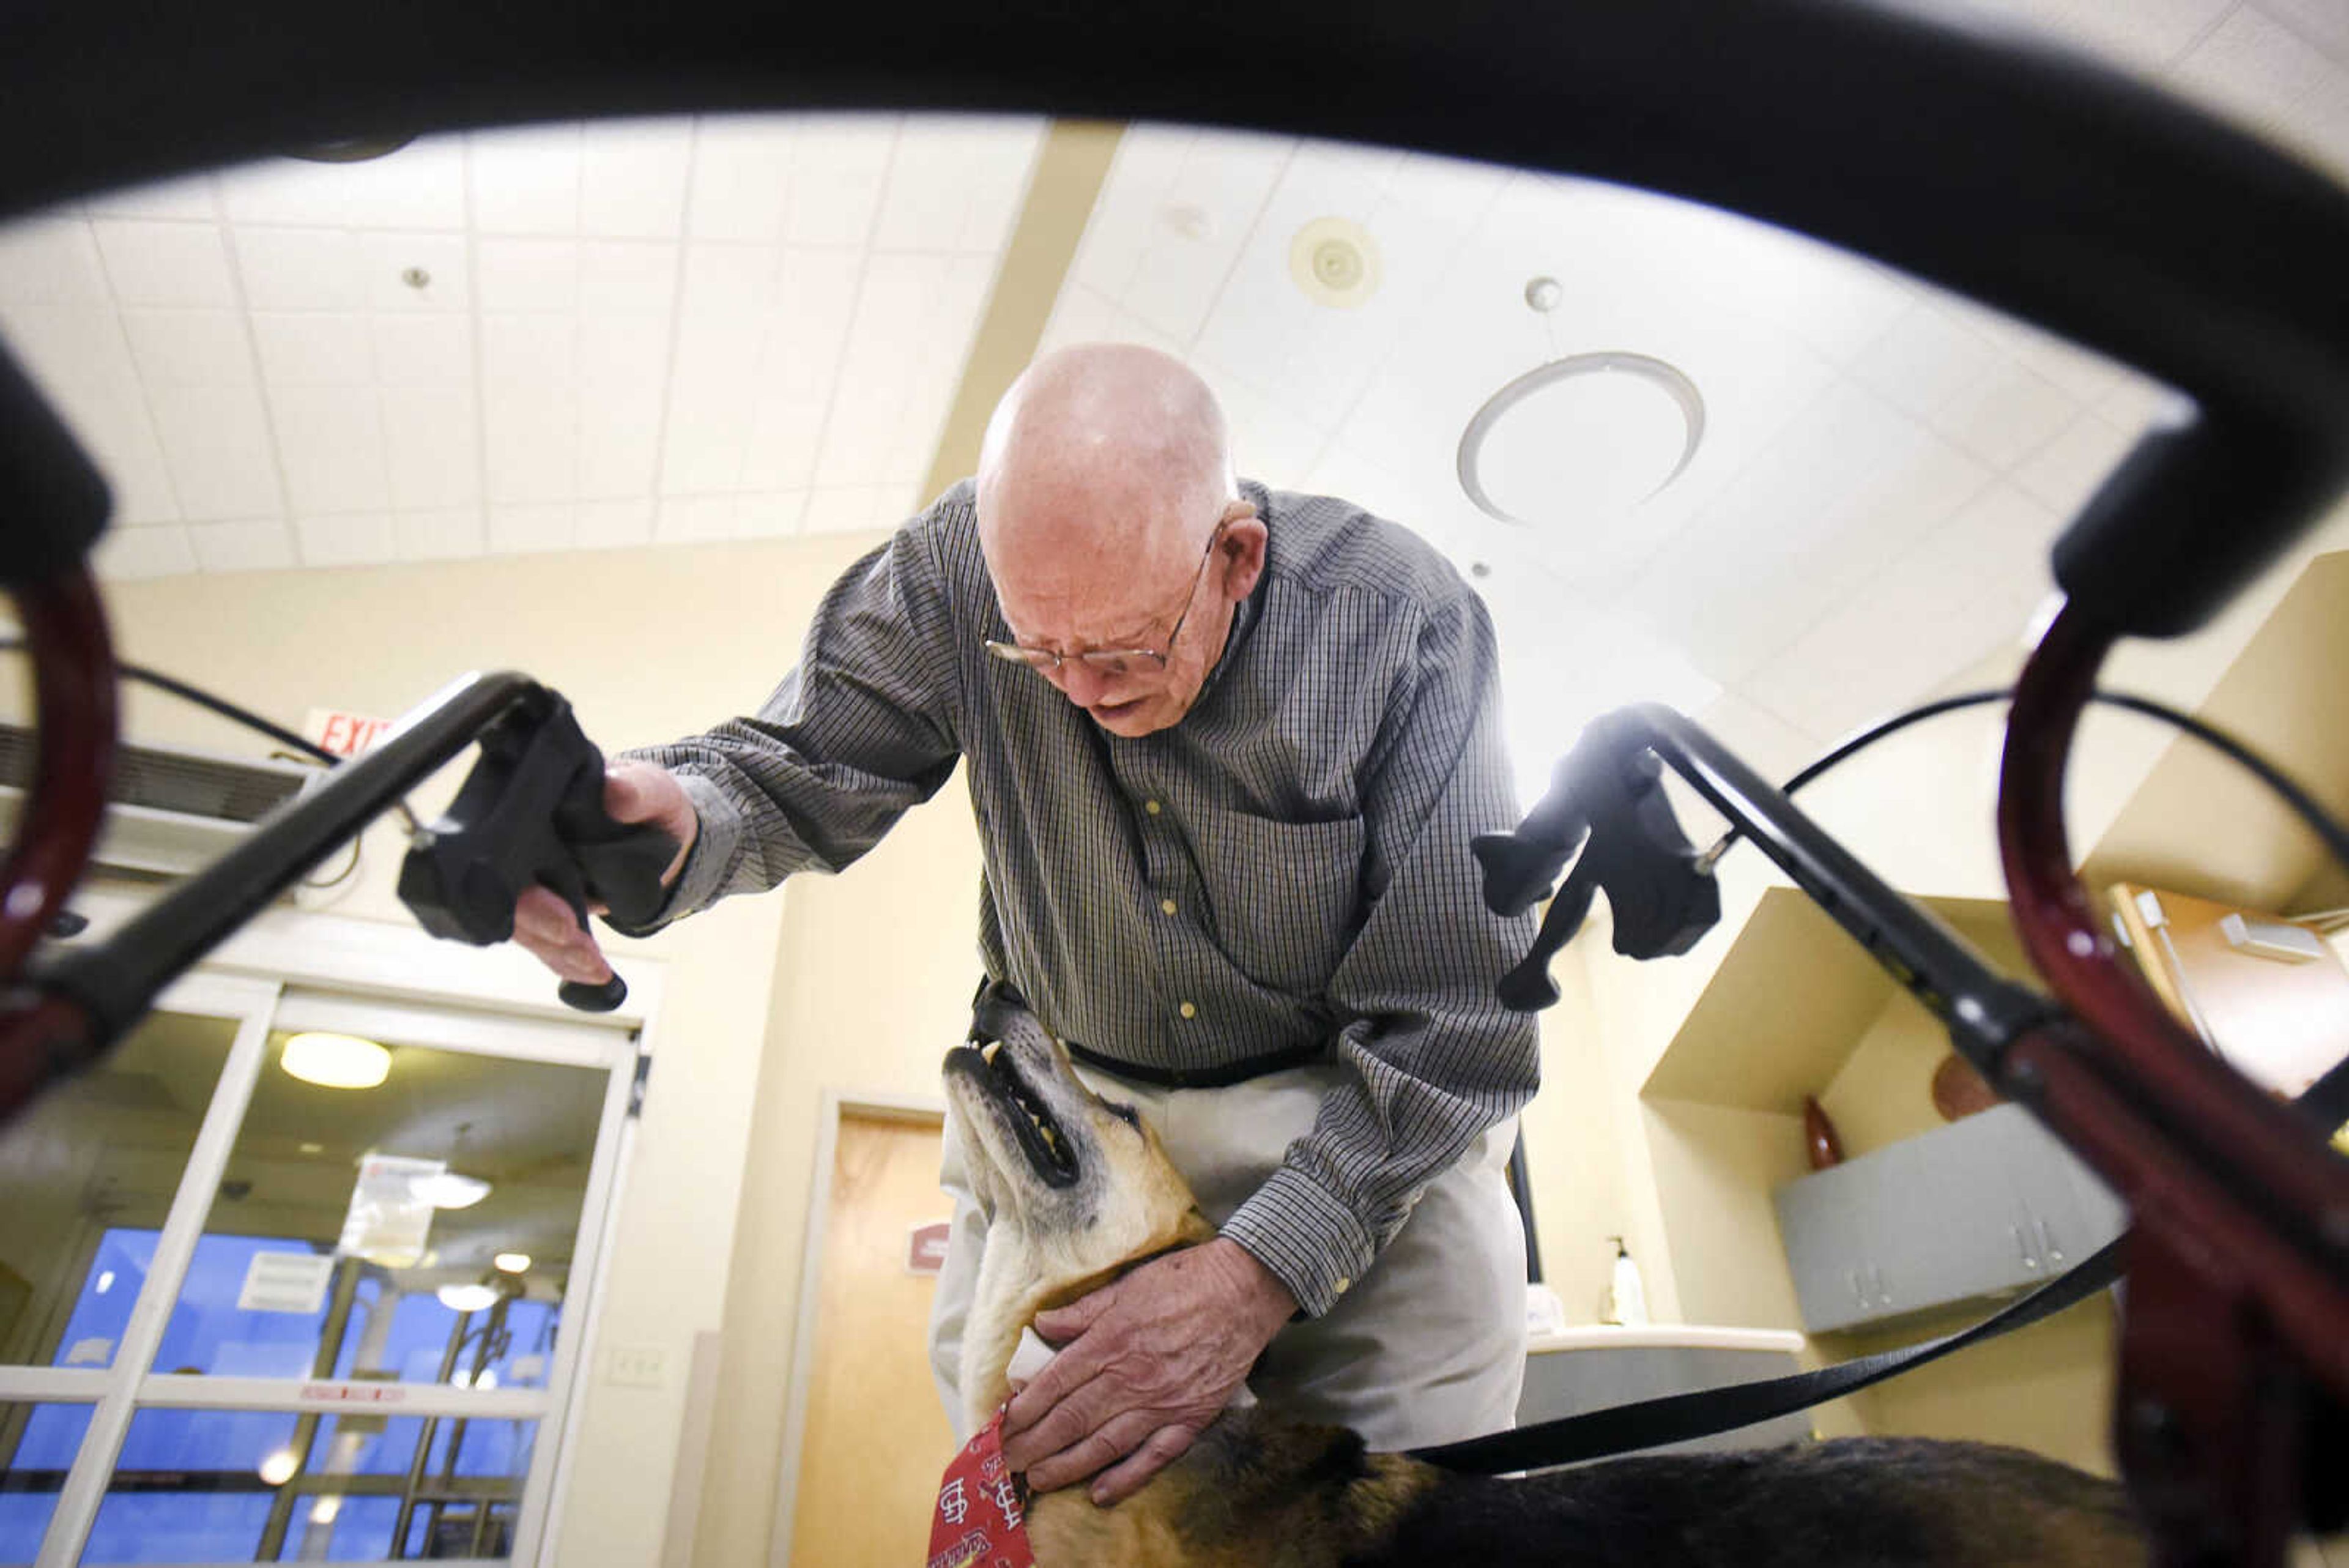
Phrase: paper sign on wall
[388,1223]
[925,1250]
[286,1282]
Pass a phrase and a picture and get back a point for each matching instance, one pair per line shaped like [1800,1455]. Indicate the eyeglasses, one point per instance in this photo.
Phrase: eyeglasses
[1112,660]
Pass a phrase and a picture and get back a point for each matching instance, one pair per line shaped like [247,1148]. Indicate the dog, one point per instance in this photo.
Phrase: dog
[1078,1189]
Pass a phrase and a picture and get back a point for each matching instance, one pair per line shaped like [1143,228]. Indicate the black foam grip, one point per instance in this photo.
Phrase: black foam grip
[589,998]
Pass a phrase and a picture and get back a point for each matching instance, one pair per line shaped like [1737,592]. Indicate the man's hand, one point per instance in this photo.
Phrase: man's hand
[1144,1365]
[633,791]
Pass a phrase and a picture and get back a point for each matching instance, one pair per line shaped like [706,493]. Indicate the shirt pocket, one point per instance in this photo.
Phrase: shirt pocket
[1284,896]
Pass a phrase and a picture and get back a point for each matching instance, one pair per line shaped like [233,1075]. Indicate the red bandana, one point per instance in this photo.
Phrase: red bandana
[979,1522]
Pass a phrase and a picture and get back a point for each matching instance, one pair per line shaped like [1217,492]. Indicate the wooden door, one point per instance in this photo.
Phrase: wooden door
[876,1439]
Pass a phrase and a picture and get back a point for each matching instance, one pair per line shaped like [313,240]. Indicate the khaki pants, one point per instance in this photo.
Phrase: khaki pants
[1429,1346]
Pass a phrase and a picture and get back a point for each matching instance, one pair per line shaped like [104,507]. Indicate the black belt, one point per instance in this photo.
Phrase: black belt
[997,998]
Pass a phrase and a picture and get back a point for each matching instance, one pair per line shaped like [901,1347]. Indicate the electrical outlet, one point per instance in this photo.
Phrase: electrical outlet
[636,1366]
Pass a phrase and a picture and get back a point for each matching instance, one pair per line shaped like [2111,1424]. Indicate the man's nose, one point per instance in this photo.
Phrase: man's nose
[1079,682]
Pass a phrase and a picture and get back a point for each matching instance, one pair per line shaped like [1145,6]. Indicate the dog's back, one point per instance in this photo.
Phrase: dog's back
[1256,1489]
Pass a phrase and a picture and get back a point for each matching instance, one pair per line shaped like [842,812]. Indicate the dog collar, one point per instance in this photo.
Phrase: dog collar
[980,1522]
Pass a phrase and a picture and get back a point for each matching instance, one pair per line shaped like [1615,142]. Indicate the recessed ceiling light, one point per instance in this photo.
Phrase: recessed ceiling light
[335,1060]
[1334,262]
[1581,438]
[468,1298]
[449,1190]
[513,1262]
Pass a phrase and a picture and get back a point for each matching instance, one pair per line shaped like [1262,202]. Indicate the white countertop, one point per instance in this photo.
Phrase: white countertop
[1666,1336]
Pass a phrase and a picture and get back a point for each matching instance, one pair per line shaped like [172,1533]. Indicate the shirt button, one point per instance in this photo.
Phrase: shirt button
[1152,806]
[1165,906]
[1189,1010]
[1342,1286]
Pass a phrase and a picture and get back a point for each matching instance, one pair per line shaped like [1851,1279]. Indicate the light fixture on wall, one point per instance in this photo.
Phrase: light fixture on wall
[468,1298]
[1590,435]
[449,1188]
[335,1060]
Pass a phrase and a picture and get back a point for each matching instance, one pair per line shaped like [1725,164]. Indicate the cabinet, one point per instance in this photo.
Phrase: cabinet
[1984,1206]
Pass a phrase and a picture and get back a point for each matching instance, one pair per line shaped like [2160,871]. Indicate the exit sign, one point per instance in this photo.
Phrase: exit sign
[346,734]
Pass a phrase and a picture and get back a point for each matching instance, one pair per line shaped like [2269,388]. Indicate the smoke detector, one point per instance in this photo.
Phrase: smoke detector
[1334,263]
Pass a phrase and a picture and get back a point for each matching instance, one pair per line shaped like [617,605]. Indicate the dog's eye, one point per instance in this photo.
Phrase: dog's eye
[1125,1114]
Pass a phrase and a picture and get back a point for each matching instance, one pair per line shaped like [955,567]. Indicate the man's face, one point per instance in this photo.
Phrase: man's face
[1135,644]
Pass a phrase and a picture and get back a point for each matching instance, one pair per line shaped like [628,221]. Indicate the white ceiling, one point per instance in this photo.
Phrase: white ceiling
[681,331]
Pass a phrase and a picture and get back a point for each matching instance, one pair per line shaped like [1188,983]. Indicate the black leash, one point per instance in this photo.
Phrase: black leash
[1621,1429]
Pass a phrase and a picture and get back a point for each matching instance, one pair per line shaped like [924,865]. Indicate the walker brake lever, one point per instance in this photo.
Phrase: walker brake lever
[1607,796]
[531,811]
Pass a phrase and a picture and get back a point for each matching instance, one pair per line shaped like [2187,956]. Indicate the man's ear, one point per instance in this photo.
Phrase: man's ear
[1240,552]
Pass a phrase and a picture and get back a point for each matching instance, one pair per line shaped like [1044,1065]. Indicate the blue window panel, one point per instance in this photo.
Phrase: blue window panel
[118,1271]
[207,1333]
[363,1530]
[53,1435]
[186,1527]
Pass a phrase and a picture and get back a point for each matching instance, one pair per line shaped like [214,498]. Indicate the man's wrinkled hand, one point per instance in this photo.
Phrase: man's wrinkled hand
[1145,1364]
[543,924]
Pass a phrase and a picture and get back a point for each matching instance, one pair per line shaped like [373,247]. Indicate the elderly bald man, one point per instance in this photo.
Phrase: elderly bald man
[1227,749]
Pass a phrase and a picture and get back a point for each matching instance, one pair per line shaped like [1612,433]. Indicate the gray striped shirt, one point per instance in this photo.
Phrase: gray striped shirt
[1285,868]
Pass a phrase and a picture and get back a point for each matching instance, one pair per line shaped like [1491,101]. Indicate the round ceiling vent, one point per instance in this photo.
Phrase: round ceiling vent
[1589,436]
[1335,263]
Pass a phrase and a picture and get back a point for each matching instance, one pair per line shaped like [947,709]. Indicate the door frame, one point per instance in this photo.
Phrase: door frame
[916,1110]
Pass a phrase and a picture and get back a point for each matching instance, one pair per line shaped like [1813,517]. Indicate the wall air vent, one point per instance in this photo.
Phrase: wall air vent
[169,811]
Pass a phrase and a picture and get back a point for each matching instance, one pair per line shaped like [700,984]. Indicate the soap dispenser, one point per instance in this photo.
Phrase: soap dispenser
[1627,1293]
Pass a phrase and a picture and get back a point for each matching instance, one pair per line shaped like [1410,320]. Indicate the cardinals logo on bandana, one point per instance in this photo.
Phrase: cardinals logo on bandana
[979,1522]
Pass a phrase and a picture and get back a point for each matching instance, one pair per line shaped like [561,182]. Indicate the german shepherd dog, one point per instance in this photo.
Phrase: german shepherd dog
[1079,1190]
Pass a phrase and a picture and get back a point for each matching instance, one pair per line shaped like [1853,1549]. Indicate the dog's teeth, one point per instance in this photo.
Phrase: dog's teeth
[986,1053]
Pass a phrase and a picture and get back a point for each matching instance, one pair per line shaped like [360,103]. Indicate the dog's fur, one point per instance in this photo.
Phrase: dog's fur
[1079,1190]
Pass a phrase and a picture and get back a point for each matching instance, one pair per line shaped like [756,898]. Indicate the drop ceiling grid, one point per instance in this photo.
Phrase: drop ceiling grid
[263,391]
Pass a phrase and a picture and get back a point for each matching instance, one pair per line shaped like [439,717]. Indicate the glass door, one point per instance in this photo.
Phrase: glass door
[299,1277]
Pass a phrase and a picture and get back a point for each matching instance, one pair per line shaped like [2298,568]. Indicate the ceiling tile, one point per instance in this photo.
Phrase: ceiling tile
[431,440]
[619,437]
[1922,361]
[633,177]
[450,534]
[313,349]
[2064,474]
[884,412]
[525,530]
[50,261]
[1130,214]
[1845,489]
[156,262]
[955,185]
[527,274]
[389,257]
[2004,414]
[1217,195]
[627,277]
[1962,593]
[289,191]
[350,540]
[838,169]
[531,444]
[2323,22]
[615,524]
[526,181]
[78,357]
[741,178]
[422,186]
[262,544]
[2141,36]
[189,198]
[418,351]
[769,514]
[330,440]
[189,348]
[2269,77]
[534,354]
[781,443]
[159,550]
[1269,437]
[622,351]
[217,442]
[841,509]
[300,269]
[693,519]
